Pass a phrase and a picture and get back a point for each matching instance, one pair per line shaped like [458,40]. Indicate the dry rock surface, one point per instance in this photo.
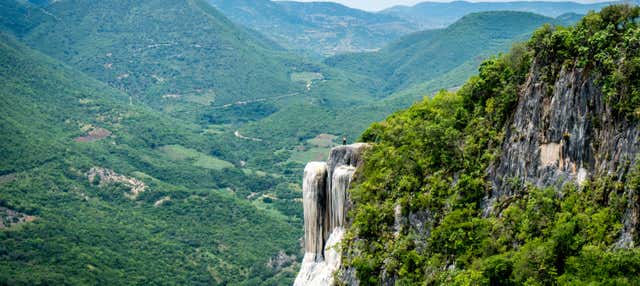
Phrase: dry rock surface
[10,218]
[107,177]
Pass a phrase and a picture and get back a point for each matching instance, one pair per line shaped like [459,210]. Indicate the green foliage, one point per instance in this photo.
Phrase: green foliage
[92,234]
[459,48]
[316,29]
[431,160]
[154,50]
[242,113]
[607,42]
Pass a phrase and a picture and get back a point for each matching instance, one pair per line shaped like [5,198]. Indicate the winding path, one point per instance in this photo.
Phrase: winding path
[245,102]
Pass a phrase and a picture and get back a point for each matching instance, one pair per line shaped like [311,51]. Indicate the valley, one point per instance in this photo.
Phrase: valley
[162,142]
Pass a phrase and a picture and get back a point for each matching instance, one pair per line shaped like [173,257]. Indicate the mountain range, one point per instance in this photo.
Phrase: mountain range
[440,14]
[318,29]
[161,142]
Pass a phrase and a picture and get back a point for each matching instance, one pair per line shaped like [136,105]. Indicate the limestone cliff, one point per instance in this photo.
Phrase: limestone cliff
[568,135]
[325,202]
[529,174]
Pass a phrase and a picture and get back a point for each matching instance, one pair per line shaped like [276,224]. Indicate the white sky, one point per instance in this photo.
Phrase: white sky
[376,5]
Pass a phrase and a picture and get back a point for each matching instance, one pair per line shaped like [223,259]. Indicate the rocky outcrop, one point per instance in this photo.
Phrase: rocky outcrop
[326,202]
[10,218]
[564,134]
[106,177]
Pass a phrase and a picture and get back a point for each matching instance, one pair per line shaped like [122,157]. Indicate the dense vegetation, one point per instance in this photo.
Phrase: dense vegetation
[203,233]
[155,51]
[432,159]
[433,14]
[430,54]
[608,42]
[316,29]
[215,119]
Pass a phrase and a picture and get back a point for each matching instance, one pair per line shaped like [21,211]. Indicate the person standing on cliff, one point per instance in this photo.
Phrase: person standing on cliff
[344,140]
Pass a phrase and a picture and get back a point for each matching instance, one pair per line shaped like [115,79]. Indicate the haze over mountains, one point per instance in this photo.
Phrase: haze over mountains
[422,56]
[325,28]
[440,14]
[322,28]
[161,142]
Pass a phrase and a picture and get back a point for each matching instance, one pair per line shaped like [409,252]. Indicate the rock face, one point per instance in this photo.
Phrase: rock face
[326,202]
[567,135]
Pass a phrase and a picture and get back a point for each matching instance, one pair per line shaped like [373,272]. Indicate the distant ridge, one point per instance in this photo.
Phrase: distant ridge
[441,14]
[318,28]
[422,56]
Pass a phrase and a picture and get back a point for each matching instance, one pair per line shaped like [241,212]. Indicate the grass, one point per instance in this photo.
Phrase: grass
[315,149]
[306,76]
[311,154]
[206,98]
[181,153]
[323,140]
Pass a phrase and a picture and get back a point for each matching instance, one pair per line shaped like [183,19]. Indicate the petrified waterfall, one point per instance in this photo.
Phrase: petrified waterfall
[313,201]
[325,201]
[338,195]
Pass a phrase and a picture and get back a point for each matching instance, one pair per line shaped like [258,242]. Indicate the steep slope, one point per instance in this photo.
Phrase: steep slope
[159,50]
[222,117]
[528,175]
[87,196]
[436,15]
[322,28]
[426,55]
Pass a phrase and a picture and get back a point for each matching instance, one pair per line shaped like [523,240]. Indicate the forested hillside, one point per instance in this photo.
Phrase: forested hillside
[528,175]
[441,14]
[157,142]
[157,51]
[160,217]
[454,52]
[317,28]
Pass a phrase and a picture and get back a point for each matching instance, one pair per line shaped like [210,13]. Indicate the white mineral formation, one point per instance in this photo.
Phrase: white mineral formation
[326,202]
[313,201]
[338,204]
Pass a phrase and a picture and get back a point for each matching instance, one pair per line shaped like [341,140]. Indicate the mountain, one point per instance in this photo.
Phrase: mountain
[391,79]
[440,14]
[268,89]
[456,50]
[157,50]
[142,181]
[322,28]
[157,142]
[94,190]
[527,175]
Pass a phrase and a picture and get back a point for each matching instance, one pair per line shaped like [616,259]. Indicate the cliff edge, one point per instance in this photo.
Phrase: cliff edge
[326,202]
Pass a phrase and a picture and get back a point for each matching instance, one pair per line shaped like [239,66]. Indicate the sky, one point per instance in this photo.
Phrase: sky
[376,5]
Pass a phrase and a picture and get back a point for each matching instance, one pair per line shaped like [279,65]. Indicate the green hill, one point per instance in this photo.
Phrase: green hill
[317,28]
[211,121]
[441,14]
[423,56]
[188,225]
[395,77]
[459,189]
[158,50]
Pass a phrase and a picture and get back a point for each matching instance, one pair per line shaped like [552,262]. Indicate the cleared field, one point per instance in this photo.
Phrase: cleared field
[323,140]
[308,155]
[306,76]
[315,149]
[181,153]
